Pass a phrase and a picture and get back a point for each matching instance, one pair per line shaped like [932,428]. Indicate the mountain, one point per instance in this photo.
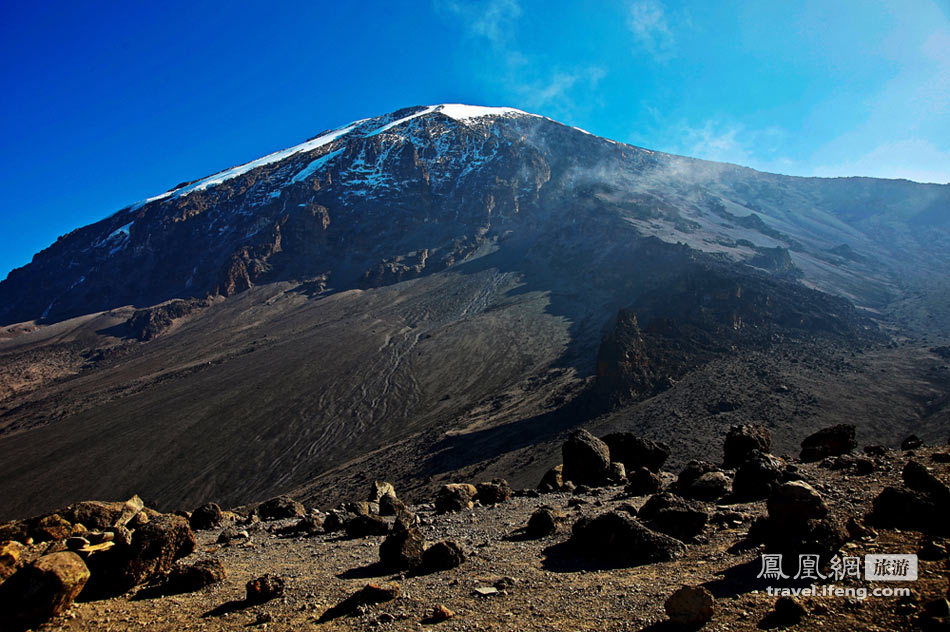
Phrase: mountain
[449,288]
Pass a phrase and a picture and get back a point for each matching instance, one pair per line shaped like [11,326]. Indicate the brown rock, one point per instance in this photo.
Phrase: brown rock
[744,441]
[690,605]
[636,452]
[264,588]
[827,442]
[208,516]
[552,480]
[280,508]
[440,613]
[493,492]
[543,522]
[621,540]
[191,577]
[796,501]
[11,554]
[42,590]
[402,549]
[442,556]
[455,497]
[586,459]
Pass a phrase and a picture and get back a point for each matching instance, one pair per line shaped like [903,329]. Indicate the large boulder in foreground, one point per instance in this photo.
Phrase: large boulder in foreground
[42,590]
[827,442]
[586,459]
[636,452]
[743,441]
[618,539]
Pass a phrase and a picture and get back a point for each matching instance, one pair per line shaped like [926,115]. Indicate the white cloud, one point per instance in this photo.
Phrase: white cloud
[647,20]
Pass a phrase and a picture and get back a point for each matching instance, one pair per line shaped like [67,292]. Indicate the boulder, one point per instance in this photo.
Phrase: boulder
[493,492]
[670,514]
[917,477]
[280,508]
[690,606]
[543,522]
[264,588]
[156,545]
[619,539]
[796,501]
[185,578]
[442,556]
[552,480]
[743,441]
[693,470]
[642,482]
[378,490]
[902,508]
[586,459]
[233,534]
[709,486]
[389,505]
[11,555]
[757,475]
[636,452]
[206,517]
[309,526]
[911,443]
[827,442]
[96,514]
[402,550]
[616,473]
[49,528]
[335,521]
[365,526]
[455,497]
[41,590]
[823,537]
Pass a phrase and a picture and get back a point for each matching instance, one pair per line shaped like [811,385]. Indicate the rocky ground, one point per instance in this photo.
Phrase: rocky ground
[517,579]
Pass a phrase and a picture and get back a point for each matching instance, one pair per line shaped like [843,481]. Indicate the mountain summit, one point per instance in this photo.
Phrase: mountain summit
[422,188]
[449,289]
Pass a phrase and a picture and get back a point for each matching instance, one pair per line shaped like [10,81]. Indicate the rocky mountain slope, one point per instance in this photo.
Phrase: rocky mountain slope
[449,289]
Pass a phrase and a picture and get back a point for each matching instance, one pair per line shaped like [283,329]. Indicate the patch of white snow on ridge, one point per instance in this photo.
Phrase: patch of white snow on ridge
[389,126]
[310,169]
[462,112]
[277,156]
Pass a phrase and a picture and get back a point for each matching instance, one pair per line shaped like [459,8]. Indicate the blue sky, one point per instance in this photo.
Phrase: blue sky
[108,103]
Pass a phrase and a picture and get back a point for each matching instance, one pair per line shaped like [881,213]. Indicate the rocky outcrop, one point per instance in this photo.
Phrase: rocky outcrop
[827,442]
[619,539]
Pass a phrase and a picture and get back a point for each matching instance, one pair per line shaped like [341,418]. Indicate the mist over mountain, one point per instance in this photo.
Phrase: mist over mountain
[449,289]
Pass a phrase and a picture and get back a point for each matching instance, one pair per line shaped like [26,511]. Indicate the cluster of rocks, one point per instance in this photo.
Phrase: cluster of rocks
[99,549]
[92,549]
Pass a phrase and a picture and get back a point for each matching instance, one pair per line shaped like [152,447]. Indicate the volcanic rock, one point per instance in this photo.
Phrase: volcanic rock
[586,459]
[829,442]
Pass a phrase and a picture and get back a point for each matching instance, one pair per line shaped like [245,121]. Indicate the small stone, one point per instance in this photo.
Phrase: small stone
[440,613]
[485,591]
[690,605]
